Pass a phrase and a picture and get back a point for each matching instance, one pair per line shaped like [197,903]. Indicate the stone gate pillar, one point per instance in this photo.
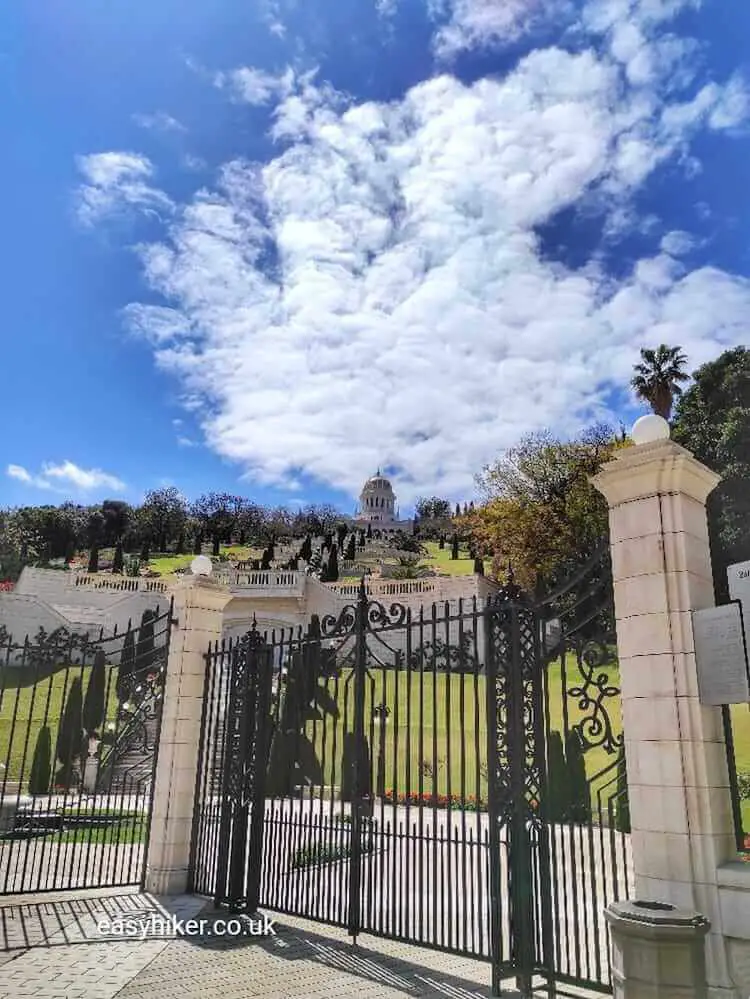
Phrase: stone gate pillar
[680,803]
[199,604]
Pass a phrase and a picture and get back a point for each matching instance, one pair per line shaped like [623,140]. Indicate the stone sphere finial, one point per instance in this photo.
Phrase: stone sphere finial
[649,429]
[201,566]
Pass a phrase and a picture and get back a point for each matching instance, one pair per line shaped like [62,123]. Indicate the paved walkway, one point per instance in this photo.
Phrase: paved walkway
[56,949]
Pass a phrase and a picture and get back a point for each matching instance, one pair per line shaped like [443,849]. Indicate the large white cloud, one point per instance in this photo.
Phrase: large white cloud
[375,294]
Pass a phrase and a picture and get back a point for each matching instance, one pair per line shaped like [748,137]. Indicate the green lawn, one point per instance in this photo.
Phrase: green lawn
[25,707]
[440,559]
[741,732]
[167,564]
[437,728]
[452,751]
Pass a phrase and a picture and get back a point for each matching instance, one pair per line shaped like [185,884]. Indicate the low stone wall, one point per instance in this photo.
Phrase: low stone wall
[734,905]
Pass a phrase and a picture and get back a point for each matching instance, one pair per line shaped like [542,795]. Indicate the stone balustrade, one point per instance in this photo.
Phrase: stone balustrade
[124,584]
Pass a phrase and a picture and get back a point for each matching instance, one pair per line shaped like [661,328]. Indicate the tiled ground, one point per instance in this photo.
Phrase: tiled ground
[55,950]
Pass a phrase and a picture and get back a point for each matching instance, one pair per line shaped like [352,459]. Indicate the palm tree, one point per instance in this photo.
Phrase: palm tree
[657,377]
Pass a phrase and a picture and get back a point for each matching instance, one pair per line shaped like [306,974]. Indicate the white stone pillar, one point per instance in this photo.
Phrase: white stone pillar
[199,604]
[680,804]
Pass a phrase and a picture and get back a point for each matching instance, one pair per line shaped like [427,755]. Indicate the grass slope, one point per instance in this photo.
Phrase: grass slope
[25,706]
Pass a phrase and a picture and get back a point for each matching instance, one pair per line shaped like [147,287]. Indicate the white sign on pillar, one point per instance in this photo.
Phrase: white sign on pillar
[738,577]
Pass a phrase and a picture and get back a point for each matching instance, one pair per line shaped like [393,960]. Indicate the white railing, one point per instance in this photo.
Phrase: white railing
[386,588]
[125,584]
[263,579]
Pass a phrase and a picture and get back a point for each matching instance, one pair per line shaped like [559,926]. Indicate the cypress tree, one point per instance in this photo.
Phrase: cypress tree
[454,548]
[441,543]
[361,539]
[198,543]
[341,535]
[580,792]
[351,550]
[265,562]
[93,565]
[145,552]
[127,664]
[479,566]
[556,805]
[305,551]
[93,705]
[333,566]
[41,764]
[622,802]
[118,561]
[69,734]
[369,532]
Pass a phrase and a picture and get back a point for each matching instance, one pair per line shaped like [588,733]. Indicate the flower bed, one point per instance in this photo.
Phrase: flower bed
[468,804]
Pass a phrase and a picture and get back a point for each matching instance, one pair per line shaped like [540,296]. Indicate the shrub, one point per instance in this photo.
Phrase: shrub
[556,803]
[743,784]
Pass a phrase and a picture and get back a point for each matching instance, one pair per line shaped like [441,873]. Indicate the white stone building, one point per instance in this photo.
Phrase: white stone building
[377,506]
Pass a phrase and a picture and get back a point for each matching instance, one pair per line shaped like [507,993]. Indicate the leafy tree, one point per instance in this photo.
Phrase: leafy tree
[69,734]
[712,420]
[47,532]
[657,377]
[578,786]
[215,514]
[41,764]
[541,513]
[433,508]
[93,705]
[164,514]
[117,517]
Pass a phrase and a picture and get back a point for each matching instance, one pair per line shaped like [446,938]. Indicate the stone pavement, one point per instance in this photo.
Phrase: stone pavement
[55,949]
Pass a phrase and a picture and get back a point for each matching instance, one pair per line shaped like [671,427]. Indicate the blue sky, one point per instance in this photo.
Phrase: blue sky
[268,246]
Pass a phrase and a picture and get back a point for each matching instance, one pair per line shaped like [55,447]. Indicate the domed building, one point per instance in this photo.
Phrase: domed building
[377,505]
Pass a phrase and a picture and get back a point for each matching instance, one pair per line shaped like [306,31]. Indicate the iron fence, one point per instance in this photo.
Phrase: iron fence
[452,777]
[79,729]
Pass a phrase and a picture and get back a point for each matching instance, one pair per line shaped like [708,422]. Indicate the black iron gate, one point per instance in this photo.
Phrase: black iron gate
[450,777]
[79,729]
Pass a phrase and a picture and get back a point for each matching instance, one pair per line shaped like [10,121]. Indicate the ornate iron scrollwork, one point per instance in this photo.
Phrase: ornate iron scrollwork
[595,728]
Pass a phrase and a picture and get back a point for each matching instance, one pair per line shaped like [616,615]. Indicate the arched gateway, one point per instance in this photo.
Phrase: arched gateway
[448,778]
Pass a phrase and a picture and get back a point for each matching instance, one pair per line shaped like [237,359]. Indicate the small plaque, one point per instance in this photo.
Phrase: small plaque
[738,577]
[721,656]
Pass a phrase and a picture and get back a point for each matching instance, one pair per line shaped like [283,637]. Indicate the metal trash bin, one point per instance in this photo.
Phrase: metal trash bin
[658,951]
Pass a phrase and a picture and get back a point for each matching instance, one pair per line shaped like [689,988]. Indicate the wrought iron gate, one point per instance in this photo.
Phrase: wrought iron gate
[79,729]
[450,777]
